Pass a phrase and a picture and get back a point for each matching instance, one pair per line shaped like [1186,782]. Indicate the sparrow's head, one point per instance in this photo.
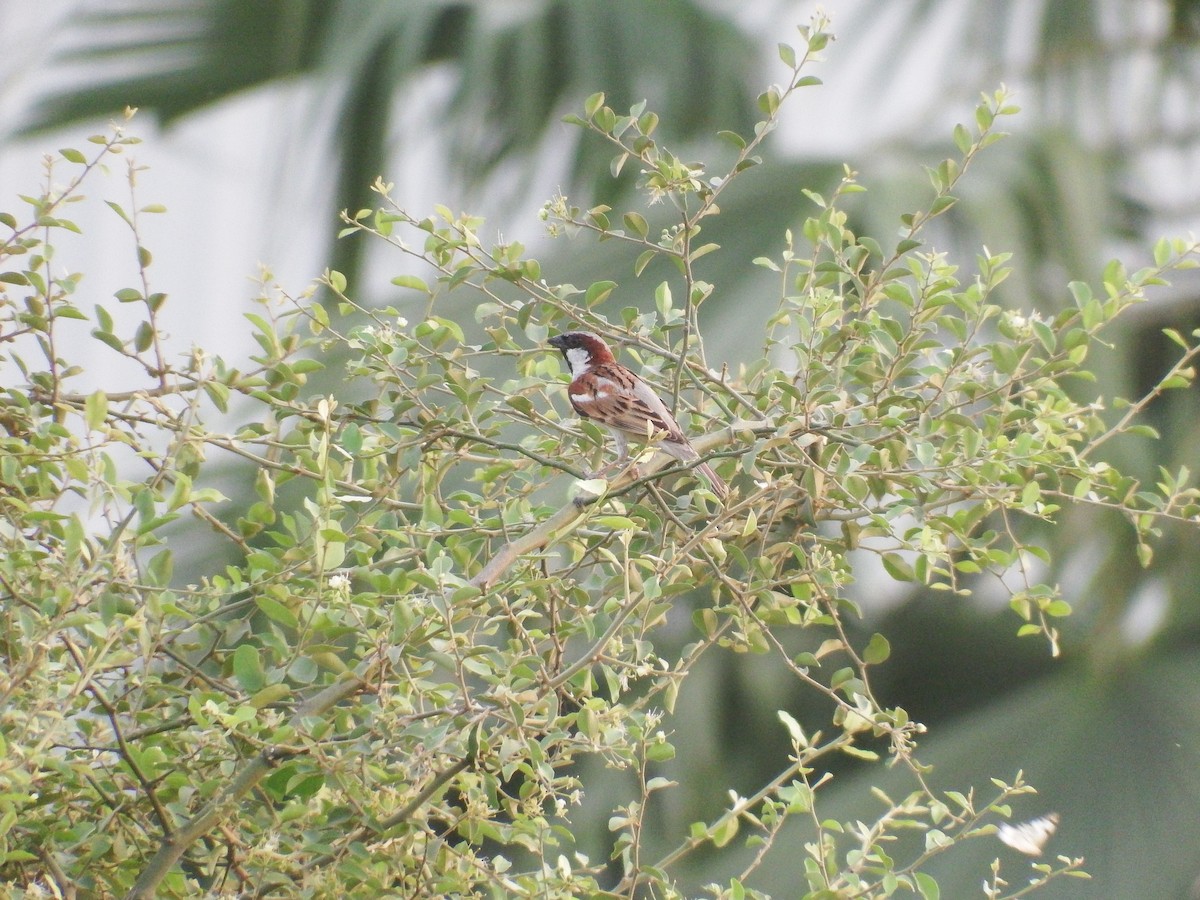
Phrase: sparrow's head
[582,350]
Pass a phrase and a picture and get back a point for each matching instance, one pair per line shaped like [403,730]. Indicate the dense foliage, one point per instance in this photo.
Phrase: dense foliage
[417,614]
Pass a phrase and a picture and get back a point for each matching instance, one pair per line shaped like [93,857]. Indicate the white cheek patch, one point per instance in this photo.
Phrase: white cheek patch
[603,394]
[583,397]
[579,360]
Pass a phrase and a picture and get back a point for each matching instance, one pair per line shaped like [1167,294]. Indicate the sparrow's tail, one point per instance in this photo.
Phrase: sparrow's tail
[685,452]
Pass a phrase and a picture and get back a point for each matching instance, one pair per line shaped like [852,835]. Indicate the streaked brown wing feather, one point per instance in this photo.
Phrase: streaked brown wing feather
[632,414]
[615,396]
[649,405]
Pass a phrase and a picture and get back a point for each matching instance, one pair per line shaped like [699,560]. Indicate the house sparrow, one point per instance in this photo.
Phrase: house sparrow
[605,391]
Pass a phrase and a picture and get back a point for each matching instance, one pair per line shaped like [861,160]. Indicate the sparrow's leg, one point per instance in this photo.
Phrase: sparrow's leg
[622,441]
[622,460]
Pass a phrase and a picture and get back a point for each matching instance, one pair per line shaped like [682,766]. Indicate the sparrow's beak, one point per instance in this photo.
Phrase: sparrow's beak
[557,342]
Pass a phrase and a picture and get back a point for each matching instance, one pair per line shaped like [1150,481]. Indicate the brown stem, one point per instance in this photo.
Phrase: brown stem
[176,844]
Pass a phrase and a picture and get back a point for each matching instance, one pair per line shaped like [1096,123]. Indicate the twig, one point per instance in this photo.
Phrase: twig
[175,845]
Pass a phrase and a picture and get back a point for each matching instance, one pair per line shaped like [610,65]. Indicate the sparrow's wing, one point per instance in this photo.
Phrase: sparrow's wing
[614,396]
[648,405]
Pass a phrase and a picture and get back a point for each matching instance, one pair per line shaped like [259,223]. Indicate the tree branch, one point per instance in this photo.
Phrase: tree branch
[175,845]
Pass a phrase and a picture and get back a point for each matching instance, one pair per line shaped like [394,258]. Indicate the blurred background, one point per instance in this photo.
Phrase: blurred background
[261,120]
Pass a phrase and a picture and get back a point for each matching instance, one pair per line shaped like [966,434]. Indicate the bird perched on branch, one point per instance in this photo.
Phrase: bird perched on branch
[611,395]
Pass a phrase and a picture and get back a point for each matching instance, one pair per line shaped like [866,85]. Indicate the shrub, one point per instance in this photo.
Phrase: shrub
[399,646]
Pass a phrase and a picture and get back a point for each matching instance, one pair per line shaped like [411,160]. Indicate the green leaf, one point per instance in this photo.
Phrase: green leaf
[605,119]
[107,337]
[330,554]
[247,668]
[936,839]
[1175,337]
[643,260]
[598,215]
[927,886]
[96,410]
[598,292]
[734,138]
[660,751]
[218,393]
[269,695]
[181,493]
[636,223]
[897,567]
[795,732]
[1004,357]
[962,139]
[69,312]
[412,282]
[617,523]
[941,204]
[276,611]
[116,207]
[984,117]
[1030,494]
[1058,608]
[160,568]
[878,650]
[724,831]
[143,338]
[768,101]
[1081,292]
